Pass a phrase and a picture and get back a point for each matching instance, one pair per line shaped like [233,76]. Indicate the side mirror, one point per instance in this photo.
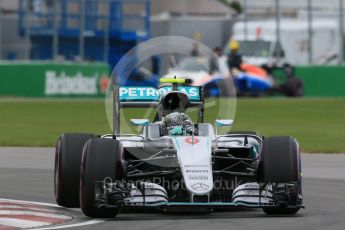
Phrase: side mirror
[140,122]
[221,123]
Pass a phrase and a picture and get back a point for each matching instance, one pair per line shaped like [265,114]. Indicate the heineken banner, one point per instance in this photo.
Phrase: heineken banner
[53,79]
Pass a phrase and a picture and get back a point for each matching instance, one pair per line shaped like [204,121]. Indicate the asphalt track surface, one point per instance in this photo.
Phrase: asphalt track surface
[27,174]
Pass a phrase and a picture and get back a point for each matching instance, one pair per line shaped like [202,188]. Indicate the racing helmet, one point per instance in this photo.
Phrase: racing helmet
[234,45]
[173,101]
[177,123]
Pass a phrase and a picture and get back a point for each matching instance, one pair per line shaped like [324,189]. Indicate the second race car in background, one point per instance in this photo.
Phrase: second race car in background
[200,71]
[249,81]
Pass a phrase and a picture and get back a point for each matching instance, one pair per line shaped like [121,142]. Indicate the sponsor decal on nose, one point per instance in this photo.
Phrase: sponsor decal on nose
[189,140]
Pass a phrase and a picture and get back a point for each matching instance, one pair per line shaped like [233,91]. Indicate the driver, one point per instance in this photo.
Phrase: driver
[172,111]
[178,123]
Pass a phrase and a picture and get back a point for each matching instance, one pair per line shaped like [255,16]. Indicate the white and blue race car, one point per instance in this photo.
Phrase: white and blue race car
[175,163]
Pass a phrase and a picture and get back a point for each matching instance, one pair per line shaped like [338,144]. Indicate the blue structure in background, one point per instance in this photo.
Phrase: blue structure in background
[124,22]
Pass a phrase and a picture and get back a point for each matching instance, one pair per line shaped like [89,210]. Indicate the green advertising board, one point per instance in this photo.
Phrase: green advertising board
[46,79]
[49,79]
[318,81]
[322,81]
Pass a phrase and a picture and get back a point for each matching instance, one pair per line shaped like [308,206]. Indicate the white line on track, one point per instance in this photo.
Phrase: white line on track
[33,213]
[90,222]
[18,207]
[32,202]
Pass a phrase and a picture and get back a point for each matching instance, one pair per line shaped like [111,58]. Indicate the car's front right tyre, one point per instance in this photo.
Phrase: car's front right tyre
[68,152]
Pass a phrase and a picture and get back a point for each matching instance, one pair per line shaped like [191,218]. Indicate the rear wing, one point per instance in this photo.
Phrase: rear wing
[139,96]
[148,97]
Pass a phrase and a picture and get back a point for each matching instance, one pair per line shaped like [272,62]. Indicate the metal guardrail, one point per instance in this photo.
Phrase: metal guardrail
[94,13]
[120,19]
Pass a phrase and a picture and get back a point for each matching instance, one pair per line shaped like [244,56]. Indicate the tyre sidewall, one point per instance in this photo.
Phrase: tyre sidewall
[101,159]
[279,160]
[68,152]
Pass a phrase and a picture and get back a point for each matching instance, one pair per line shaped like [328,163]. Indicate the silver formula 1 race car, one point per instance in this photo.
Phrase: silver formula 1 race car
[175,164]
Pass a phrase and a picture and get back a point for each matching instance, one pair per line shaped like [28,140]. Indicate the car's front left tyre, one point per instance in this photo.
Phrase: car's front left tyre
[280,165]
[101,160]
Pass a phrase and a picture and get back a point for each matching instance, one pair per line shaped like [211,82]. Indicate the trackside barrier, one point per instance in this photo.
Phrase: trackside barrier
[47,79]
[322,81]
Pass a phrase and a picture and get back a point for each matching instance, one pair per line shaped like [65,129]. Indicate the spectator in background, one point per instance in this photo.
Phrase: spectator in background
[293,86]
[195,50]
[214,60]
[234,59]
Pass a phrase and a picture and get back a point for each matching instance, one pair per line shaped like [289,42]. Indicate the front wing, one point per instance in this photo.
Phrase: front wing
[149,195]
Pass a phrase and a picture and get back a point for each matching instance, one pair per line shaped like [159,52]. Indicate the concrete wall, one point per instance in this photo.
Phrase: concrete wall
[12,44]
[9,5]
